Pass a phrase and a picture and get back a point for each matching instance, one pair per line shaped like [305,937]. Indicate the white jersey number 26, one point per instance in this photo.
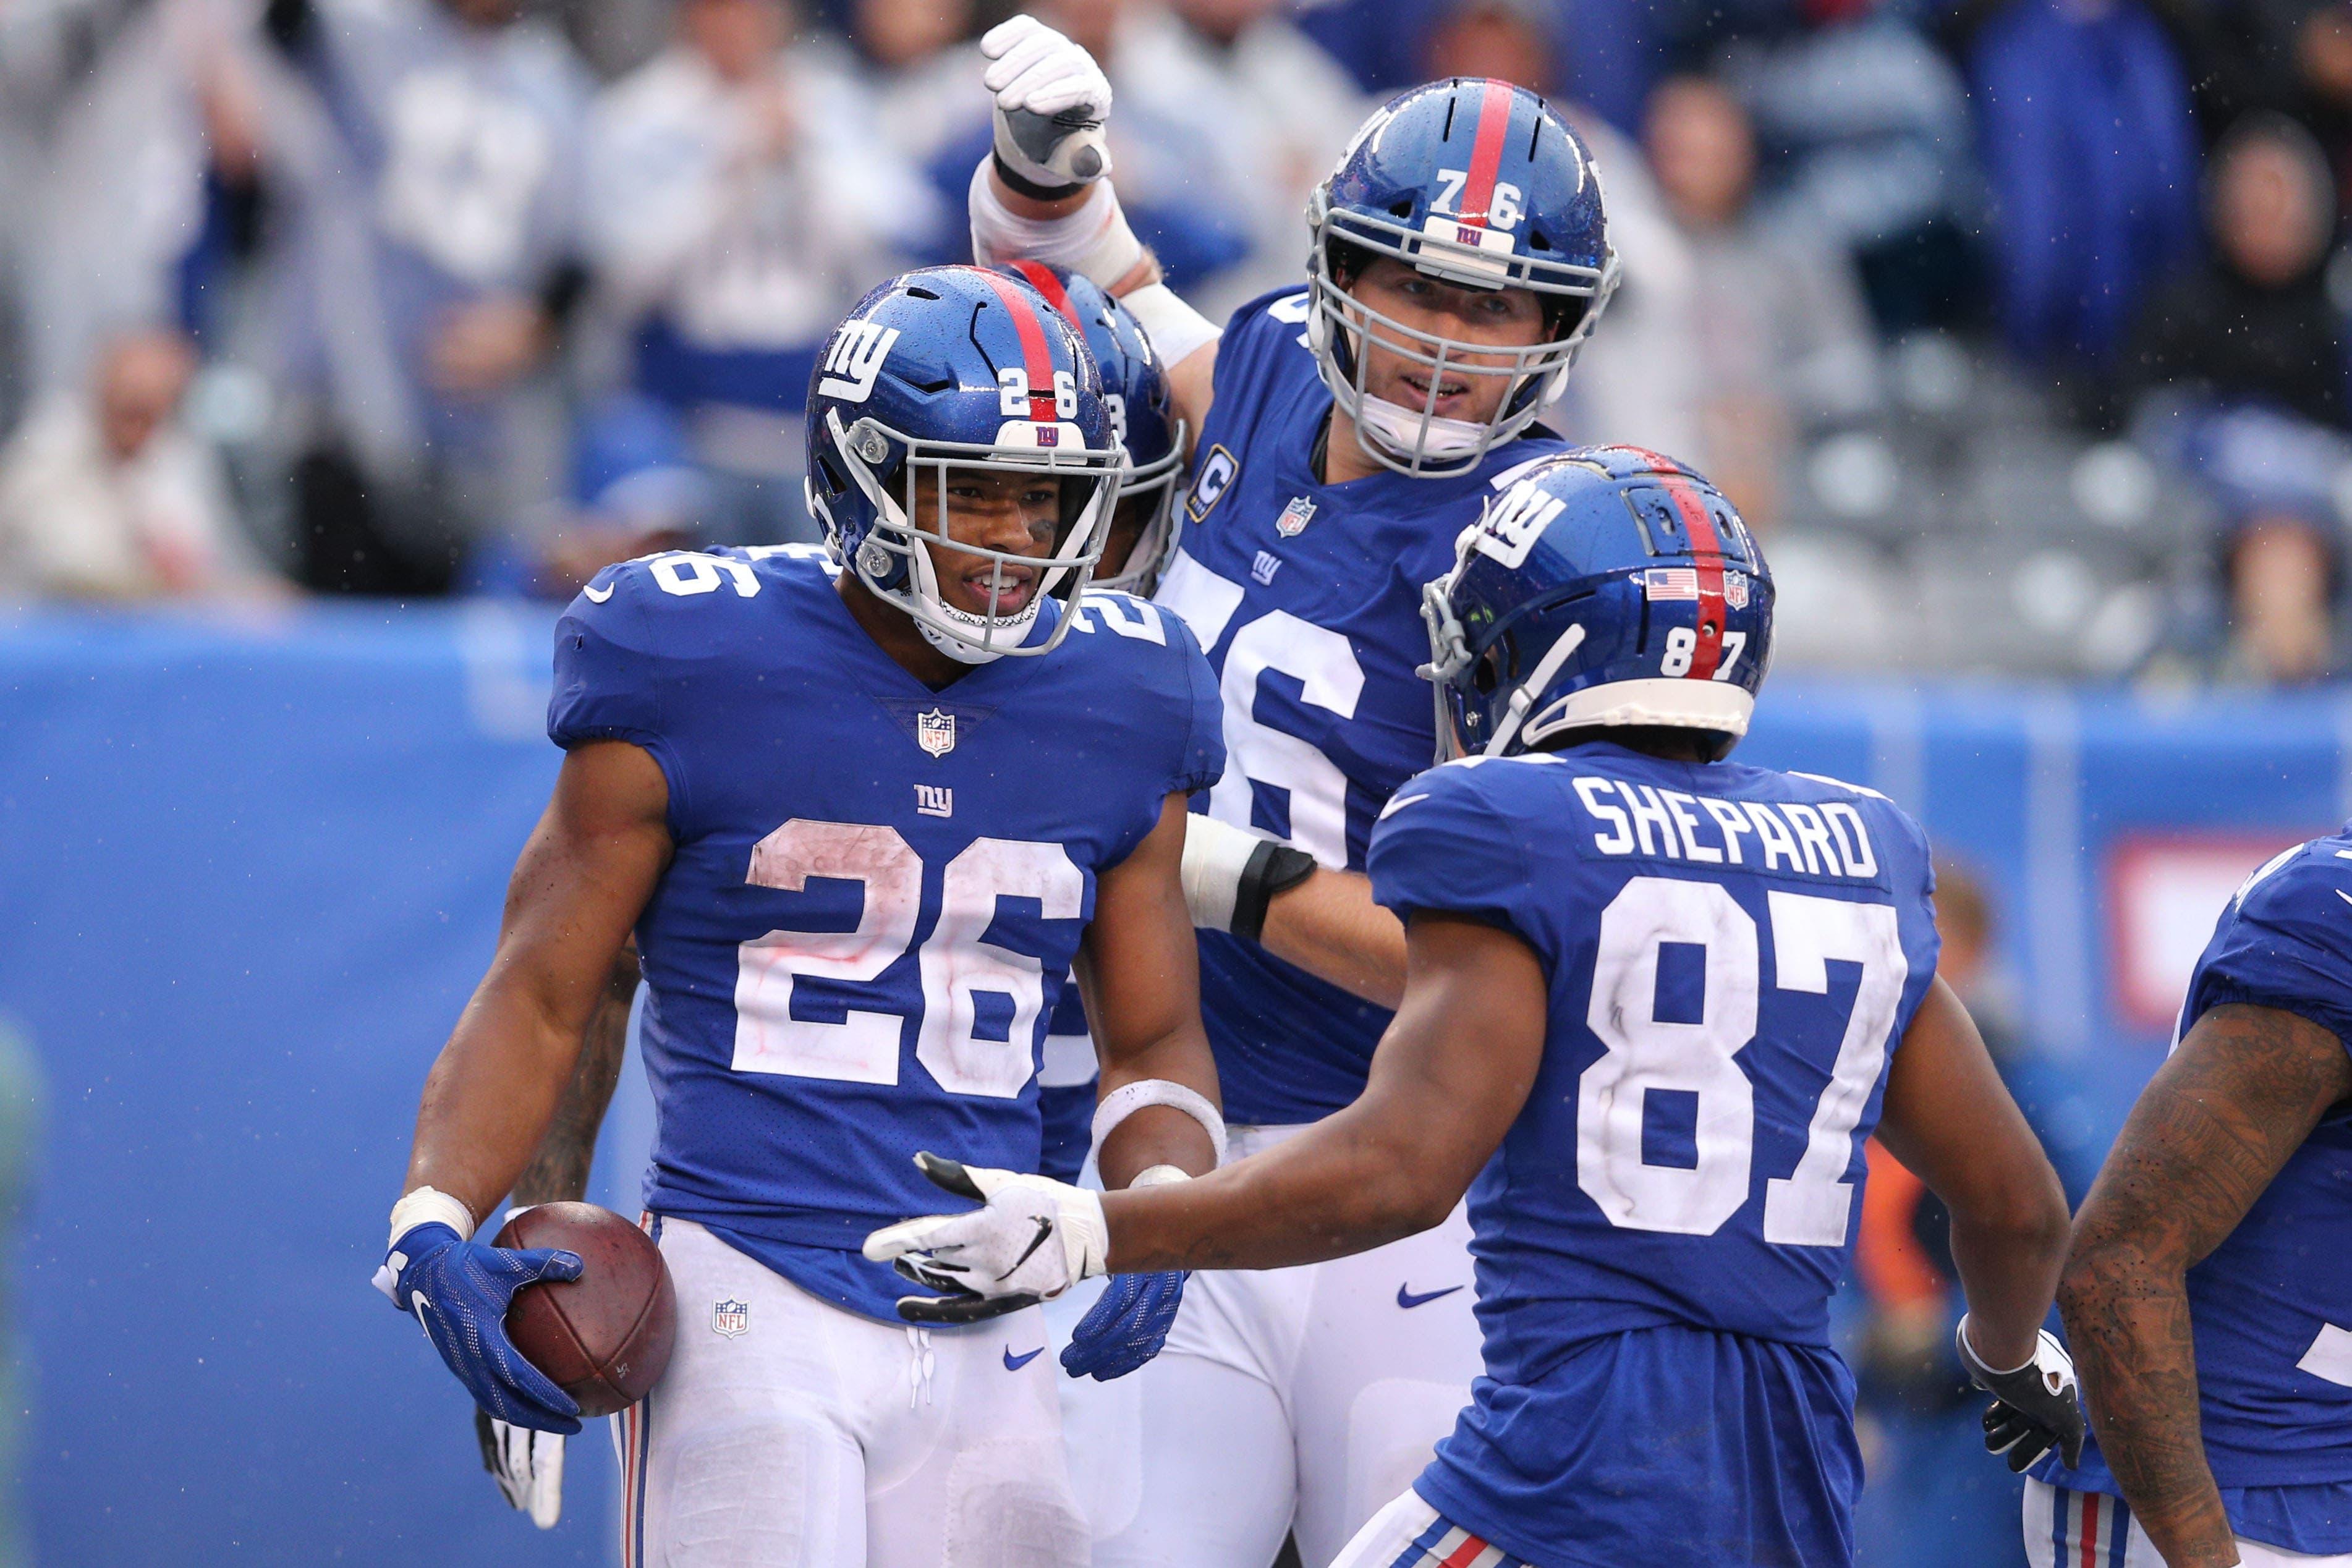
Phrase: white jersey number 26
[1810,1205]
[956,963]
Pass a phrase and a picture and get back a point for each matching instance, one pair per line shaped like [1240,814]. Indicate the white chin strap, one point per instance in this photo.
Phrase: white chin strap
[1401,432]
[1516,714]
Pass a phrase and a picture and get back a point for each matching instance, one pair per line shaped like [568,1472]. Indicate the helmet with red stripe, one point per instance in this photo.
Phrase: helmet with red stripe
[1607,586]
[945,386]
[1142,533]
[1476,183]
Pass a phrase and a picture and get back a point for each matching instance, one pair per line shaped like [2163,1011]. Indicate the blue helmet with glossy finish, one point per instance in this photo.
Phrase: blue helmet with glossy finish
[1135,390]
[1606,586]
[1478,184]
[947,369]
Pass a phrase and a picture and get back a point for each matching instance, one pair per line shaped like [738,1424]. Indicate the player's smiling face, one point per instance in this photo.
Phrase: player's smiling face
[1503,317]
[1017,514]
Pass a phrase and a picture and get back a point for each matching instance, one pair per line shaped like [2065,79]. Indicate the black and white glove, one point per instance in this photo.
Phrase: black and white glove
[1052,101]
[1033,1238]
[2035,1406]
[1231,874]
[527,1465]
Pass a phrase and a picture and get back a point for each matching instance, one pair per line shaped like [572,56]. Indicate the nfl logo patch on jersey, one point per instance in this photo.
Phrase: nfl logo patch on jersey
[732,1319]
[935,732]
[1295,516]
[1735,590]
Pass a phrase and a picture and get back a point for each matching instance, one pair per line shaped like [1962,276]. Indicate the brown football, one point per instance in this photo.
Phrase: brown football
[603,1338]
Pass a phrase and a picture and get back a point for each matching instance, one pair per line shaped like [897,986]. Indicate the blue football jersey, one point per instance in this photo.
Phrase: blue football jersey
[1306,598]
[1066,1089]
[1731,955]
[2270,1308]
[877,888]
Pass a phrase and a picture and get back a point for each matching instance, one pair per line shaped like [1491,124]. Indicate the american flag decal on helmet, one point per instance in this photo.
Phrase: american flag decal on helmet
[1671,583]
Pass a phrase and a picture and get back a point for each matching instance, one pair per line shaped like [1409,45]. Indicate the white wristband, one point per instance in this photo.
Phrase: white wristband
[1176,331]
[1158,1176]
[1093,241]
[1129,1098]
[429,1206]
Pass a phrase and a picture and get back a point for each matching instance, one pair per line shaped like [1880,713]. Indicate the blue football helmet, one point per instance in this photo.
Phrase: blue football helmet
[1607,586]
[1143,529]
[959,371]
[1474,183]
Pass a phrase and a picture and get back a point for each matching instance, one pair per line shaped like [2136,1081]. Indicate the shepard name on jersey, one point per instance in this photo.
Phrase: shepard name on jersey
[877,889]
[2271,1307]
[1731,955]
[1306,598]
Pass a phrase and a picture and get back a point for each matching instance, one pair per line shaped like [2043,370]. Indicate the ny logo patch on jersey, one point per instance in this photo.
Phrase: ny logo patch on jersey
[1263,568]
[855,360]
[1295,517]
[935,732]
[934,800]
[729,1318]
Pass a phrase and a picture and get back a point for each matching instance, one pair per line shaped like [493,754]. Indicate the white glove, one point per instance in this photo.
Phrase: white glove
[1051,102]
[1033,1239]
[527,1465]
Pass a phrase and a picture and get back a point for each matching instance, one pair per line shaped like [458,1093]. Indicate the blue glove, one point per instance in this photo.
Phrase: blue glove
[459,1289]
[1126,1327]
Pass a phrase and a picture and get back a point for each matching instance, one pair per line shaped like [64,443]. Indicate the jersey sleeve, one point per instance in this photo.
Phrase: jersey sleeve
[611,683]
[2287,946]
[1202,762]
[1441,847]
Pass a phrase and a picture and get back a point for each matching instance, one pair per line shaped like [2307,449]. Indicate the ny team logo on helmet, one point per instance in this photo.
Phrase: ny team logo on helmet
[1607,586]
[1478,184]
[957,369]
[1134,391]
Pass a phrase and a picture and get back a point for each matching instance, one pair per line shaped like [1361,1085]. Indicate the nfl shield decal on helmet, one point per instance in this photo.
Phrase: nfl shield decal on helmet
[730,1319]
[1295,516]
[1735,590]
[935,731]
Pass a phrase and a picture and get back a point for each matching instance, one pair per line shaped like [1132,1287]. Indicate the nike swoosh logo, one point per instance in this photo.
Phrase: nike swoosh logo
[2346,897]
[1408,1300]
[1391,809]
[1044,1229]
[596,597]
[1015,1363]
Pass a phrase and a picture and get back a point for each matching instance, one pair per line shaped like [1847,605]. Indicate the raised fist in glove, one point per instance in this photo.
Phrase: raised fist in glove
[1051,102]
[1032,1238]
[2034,1408]
[458,1290]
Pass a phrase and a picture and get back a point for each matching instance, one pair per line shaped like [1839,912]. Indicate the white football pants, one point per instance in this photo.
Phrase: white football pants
[2067,1529]
[1287,1400]
[1409,1534]
[796,1435]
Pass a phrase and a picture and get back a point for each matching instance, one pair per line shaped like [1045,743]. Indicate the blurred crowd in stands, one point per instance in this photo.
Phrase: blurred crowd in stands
[2017,327]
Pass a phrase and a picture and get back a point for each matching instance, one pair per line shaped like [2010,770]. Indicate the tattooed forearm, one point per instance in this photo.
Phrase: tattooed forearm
[558,1172]
[2230,1107]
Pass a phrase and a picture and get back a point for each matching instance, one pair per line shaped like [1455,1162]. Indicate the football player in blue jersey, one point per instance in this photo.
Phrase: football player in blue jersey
[1656,1001]
[1341,433]
[2208,1294]
[864,814]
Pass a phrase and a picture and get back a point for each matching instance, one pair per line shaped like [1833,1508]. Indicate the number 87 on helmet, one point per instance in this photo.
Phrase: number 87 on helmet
[962,459]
